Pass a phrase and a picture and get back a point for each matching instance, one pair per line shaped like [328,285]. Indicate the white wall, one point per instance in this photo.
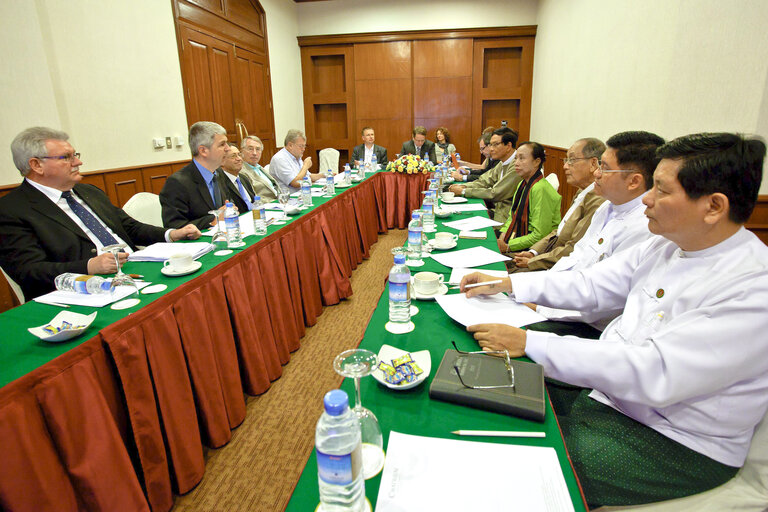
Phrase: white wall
[105,72]
[670,67]
[352,16]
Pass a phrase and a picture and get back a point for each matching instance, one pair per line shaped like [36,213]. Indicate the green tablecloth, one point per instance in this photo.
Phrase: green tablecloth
[412,411]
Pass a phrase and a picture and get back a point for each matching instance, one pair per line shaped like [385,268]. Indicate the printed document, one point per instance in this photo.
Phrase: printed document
[488,309]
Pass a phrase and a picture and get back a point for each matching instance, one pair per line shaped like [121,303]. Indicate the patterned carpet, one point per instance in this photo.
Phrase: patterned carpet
[260,466]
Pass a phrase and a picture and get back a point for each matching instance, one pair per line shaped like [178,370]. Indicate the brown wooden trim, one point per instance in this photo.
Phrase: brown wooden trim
[414,35]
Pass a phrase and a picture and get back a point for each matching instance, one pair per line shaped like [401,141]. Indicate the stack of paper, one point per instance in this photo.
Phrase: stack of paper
[162,251]
[472,223]
[474,257]
[489,309]
[469,207]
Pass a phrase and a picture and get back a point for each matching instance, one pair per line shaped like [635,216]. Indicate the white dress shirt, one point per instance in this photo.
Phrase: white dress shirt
[688,355]
[368,154]
[284,167]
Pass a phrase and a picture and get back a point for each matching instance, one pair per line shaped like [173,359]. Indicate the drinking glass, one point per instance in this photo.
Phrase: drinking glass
[120,278]
[357,363]
[283,195]
[219,237]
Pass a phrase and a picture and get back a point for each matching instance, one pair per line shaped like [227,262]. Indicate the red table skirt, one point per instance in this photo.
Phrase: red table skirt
[119,422]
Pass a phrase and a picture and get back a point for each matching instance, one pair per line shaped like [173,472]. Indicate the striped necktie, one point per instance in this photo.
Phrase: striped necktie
[91,222]
[243,193]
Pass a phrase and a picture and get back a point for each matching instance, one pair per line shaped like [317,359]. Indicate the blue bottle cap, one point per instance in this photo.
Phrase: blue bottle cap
[416,215]
[400,259]
[256,198]
[336,402]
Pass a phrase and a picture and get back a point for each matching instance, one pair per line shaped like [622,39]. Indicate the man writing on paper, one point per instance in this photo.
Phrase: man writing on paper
[363,153]
[582,161]
[497,185]
[54,224]
[679,379]
[419,145]
[264,185]
[192,191]
[233,184]
[287,166]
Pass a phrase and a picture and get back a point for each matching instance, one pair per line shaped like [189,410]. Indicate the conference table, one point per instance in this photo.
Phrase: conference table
[117,419]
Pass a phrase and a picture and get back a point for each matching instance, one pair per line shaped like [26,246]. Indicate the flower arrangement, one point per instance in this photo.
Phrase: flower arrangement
[410,164]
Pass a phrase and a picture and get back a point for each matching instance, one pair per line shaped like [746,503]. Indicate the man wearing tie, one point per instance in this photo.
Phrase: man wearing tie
[419,145]
[191,192]
[363,154]
[234,185]
[54,224]
[264,185]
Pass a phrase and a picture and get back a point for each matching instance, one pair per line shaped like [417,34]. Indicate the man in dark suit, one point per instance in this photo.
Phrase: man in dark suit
[364,152]
[419,145]
[235,186]
[52,224]
[191,192]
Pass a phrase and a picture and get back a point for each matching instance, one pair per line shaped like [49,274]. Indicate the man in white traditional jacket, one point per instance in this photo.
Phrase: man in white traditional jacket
[623,177]
[680,380]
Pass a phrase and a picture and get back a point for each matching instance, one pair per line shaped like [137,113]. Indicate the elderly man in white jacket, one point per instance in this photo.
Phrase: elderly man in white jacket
[680,379]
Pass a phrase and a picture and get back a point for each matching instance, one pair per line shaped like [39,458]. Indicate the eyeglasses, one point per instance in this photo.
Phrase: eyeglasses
[507,363]
[609,171]
[494,144]
[253,150]
[300,146]
[69,158]
[571,160]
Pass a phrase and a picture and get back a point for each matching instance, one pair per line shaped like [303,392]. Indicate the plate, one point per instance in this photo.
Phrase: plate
[292,210]
[342,185]
[441,290]
[455,200]
[175,273]
[154,288]
[441,248]
[421,358]
[124,304]
[443,213]
[75,319]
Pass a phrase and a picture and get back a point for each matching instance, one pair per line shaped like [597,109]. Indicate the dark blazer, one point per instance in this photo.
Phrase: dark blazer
[476,173]
[358,153]
[428,148]
[185,199]
[229,190]
[38,241]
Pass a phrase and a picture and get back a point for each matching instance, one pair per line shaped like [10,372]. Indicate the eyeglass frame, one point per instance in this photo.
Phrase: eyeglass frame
[608,171]
[507,363]
[69,157]
[570,160]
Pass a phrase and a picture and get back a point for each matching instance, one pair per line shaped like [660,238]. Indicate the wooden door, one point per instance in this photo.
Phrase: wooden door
[253,98]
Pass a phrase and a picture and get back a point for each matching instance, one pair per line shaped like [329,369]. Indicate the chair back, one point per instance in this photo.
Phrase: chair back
[553,180]
[329,159]
[145,207]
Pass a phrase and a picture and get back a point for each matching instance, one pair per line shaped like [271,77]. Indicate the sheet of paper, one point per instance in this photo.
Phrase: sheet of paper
[490,309]
[475,235]
[427,473]
[467,258]
[95,301]
[472,223]
[458,273]
[161,251]
[468,207]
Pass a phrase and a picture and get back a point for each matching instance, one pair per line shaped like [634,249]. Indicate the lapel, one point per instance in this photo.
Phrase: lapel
[41,204]
[246,181]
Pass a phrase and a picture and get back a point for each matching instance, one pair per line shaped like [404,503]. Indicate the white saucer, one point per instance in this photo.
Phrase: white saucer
[441,290]
[124,304]
[399,328]
[223,252]
[443,213]
[430,230]
[175,273]
[155,288]
[373,460]
[442,247]
[455,200]
[341,185]
[421,358]
[414,263]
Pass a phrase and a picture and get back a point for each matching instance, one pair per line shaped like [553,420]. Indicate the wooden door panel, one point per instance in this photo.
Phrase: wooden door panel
[154,177]
[383,60]
[221,86]
[97,180]
[390,133]
[198,95]
[442,97]
[122,185]
[442,58]
[383,99]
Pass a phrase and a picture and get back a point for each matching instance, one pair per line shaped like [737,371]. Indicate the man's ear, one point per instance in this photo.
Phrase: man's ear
[717,207]
[636,181]
[35,166]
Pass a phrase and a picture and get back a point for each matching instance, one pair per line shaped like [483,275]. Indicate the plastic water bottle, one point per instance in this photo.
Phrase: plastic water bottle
[338,444]
[259,217]
[232,225]
[399,291]
[428,221]
[374,163]
[347,175]
[81,283]
[306,191]
[330,187]
[415,232]
[435,186]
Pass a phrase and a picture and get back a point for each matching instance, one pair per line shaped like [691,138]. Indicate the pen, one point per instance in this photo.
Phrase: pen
[497,433]
[486,283]
[136,276]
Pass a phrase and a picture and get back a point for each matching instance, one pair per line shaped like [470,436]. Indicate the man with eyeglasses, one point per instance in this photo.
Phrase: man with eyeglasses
[287,166]
[470,172]
[498,185]
[667,400]
[52,223]
[579,166]
[234,185]
[264,185]
[419,145]
[193,191]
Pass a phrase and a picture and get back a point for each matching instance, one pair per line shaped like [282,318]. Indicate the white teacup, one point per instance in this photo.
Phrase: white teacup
[444,239]
[179,262]
[427,283]
[448,196]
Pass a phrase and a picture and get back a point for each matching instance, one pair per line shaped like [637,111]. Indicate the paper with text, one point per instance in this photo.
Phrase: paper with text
[489,309]
[472,223]
[473,257]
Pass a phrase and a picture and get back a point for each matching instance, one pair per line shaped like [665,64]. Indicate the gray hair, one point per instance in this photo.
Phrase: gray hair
[31,144]
[202,133]
[592,147]
[292,135]
[253,138]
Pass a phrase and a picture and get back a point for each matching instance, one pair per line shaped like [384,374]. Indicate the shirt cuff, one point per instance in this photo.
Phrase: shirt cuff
[536,346]
[168,236]
[534,252]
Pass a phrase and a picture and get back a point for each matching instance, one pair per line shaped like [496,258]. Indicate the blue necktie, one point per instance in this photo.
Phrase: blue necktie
[217,202]
[91,222]
[243,193]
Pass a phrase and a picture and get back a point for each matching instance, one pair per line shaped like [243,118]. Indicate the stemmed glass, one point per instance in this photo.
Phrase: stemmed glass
[283,195]
[120,278]
[356,363]
[219,237]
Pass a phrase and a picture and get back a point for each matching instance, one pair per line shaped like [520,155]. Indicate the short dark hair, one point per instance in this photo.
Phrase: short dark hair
[720,162]
[508,135]
[362,132]
[537,150]
[639,149]
[420,130]
[592,147]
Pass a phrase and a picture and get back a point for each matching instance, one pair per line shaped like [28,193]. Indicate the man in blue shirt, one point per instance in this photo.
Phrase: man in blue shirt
[287,167]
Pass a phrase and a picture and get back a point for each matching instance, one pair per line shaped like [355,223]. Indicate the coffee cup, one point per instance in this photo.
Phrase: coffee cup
[427,283]
[179,262]
[448,196]
[444,239]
